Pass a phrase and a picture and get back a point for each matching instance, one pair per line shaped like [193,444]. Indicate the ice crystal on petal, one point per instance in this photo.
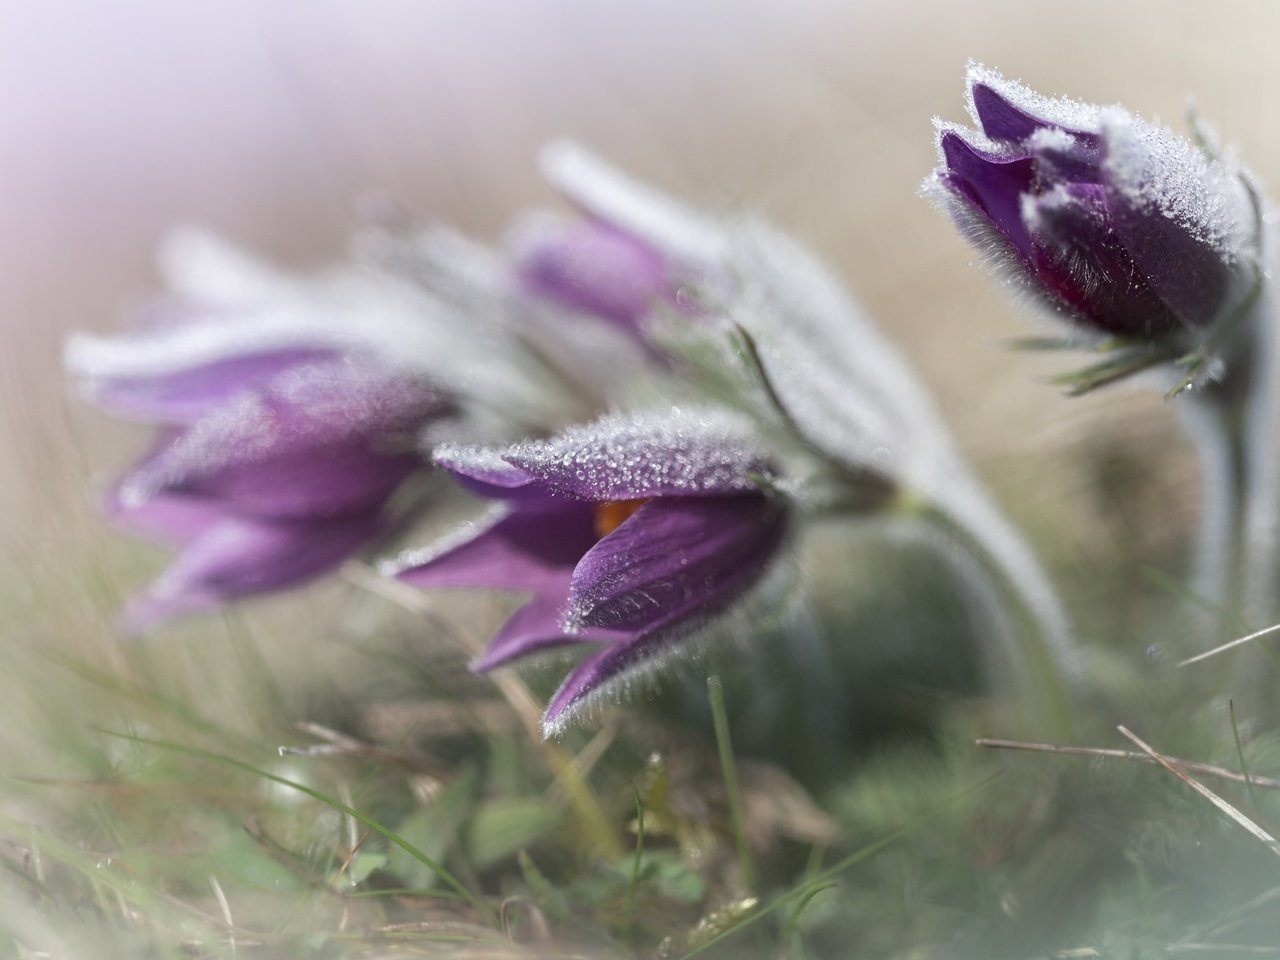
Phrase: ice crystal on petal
[621,457]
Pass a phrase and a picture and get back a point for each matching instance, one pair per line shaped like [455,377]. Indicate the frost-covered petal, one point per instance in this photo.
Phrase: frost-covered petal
[684,237]
[675,453]
[184,396]
[1185,220]
[1007,110]
[528,548]
[240,556]
[484,472]
[676,559]
[993,183]
[321,439]
[590,267]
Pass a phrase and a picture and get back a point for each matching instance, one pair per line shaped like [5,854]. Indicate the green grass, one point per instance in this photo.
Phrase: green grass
[146,808]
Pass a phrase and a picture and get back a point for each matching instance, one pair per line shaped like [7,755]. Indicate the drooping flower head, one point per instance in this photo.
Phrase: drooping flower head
[1123,228]
[629,532]
[280,442]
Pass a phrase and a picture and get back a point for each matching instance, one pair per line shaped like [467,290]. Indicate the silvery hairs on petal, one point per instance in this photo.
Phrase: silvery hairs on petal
[349,307]
[581,361]
[683,235]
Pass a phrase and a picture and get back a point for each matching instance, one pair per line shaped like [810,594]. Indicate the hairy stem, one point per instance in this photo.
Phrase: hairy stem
[1040,658]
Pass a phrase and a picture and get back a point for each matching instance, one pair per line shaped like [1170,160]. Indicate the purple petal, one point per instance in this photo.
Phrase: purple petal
[1082,262]
[993,183]
[1007,110]
[675,560]
[175,519]
[185,396]
[328,438]
[681,453]
[237,557]
[535,627]
[526,550]
[591,268]
[484,472]
[1176,256]
[1002,119]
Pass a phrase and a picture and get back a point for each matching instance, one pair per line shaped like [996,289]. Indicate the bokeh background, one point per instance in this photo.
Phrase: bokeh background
[274,122]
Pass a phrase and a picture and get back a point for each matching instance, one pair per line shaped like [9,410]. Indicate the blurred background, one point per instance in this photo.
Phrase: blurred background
[272,121]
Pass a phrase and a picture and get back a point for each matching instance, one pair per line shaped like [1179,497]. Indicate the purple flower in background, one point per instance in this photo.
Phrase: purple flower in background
[628,532]
[1120,226]
[591,267]
[277,451]
[279,478]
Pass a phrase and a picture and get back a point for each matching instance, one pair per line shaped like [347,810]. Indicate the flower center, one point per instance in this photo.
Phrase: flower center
[611,514]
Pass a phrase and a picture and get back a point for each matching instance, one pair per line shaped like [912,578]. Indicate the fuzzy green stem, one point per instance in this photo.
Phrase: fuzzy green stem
[1040,656]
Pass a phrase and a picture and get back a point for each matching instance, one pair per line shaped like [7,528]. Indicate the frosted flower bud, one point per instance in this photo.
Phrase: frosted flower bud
[1119,226]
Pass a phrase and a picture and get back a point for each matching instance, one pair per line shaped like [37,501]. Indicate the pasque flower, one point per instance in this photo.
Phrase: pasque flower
[279,478]
[1123,228]
[278,448]
[629,532]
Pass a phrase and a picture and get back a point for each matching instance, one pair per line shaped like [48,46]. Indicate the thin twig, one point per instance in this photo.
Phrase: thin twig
[1229,645]
[1272,844]
[226,912]
[1205,769]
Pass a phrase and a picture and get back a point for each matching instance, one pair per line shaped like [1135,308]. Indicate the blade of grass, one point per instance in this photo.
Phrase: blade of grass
[1244,767]
[448,878]
[720,719]
[628,910]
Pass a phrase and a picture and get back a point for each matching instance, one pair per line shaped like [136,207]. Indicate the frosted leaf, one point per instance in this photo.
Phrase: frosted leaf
[610,195]
[465,345]
[671,453]
[847,389]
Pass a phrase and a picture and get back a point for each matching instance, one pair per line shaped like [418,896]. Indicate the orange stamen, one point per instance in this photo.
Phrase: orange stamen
[611,514]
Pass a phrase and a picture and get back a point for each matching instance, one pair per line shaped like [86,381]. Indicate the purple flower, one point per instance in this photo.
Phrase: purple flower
[629,532]
[278,475]
[281,438]
[1120,226]
[591,267]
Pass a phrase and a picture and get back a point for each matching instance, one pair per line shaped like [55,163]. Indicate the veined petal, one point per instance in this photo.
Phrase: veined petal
[676,559]
[686,453]
[525,550]
[535,627]
[239,556]
[1083,264]
[322,439]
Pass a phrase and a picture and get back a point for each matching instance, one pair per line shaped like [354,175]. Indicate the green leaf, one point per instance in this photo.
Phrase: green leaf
[501,828]
[434,830]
